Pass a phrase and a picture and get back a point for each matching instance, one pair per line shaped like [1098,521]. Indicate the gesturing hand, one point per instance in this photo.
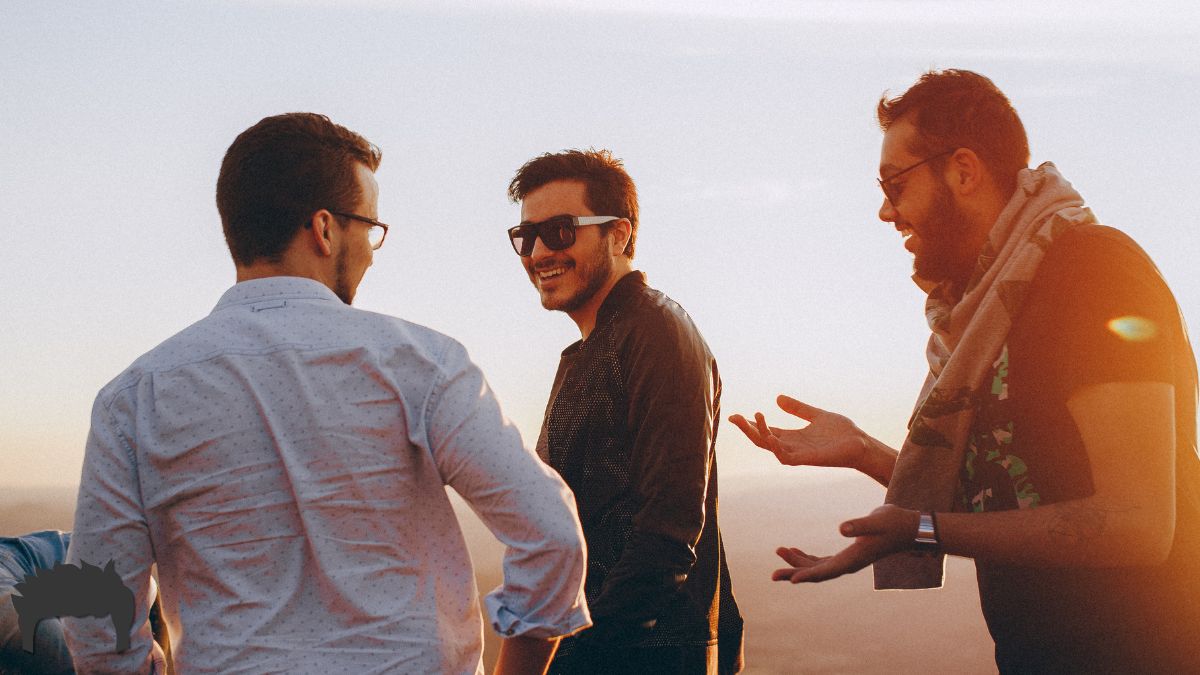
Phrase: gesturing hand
[888,529]
[828,440]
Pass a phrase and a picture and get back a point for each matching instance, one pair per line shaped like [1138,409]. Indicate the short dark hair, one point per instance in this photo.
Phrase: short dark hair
[279,172]
[960,109]
[609,189]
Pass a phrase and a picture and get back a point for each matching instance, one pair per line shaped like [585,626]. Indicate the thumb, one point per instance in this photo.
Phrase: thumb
[798,408]
[859,527]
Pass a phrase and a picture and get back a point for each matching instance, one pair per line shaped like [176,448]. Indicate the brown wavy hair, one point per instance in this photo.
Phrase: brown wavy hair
[279,172]
[960,109]
[610,191]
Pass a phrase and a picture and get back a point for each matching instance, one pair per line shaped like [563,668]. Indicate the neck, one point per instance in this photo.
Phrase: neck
[989,213]
[287,267]
[585,316]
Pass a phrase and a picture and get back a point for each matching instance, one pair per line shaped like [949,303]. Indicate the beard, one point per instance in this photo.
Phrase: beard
[592,270]
[948,254]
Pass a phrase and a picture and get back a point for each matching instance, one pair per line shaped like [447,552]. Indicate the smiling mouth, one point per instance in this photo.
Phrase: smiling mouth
[551,273]
[905,231]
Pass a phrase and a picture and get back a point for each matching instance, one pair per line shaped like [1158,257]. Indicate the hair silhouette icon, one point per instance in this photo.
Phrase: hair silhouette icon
[67,590]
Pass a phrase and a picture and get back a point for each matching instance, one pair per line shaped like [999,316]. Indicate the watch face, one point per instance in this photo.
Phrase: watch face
[926,533]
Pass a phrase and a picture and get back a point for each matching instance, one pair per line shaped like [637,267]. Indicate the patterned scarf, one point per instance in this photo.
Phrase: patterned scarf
[968,334]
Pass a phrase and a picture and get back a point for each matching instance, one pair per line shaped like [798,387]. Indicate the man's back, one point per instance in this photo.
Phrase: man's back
[289,456]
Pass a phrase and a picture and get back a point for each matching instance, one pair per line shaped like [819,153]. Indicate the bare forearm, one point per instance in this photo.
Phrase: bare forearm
[1130,518]
[525,655]
[878,460]
[1085,532]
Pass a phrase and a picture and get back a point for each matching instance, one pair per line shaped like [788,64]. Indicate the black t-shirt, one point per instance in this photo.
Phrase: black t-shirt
[1098,311]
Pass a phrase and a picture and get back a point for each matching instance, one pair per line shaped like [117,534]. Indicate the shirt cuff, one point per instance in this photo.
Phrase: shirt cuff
[509,624]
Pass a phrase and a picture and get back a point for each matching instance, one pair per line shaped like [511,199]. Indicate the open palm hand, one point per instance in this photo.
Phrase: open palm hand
[829,439]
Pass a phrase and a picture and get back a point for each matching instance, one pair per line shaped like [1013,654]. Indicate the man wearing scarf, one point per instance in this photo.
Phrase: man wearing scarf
[1054,440]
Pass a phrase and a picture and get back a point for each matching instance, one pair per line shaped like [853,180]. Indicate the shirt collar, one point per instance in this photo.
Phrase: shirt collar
[255,290]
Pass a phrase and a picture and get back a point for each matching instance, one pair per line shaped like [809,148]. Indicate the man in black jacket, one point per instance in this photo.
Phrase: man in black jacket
[631,425]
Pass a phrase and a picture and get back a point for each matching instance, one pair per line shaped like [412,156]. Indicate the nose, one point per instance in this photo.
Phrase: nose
[540,250]
[887,212]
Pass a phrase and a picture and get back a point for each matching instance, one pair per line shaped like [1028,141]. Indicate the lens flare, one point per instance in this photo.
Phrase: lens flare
[1133,328]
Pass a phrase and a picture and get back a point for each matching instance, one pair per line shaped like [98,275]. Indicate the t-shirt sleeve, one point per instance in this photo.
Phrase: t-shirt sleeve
[1109,315]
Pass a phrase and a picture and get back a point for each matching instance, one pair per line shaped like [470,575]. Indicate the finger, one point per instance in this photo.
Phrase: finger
[798,408]
[824,570]
[767,436]
[807,574]
[795,557]
[744,424]
[761,422]
[783,574]
[770,440]
[749,429]
[812,575]
[846,561]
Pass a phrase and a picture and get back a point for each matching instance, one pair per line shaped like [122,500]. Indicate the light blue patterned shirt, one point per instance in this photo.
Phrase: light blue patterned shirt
[285,462]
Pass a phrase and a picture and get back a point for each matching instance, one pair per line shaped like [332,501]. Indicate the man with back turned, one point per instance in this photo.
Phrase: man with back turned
[285,459]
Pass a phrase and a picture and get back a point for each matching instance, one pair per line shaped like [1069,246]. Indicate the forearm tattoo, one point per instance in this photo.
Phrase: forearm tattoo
[1080,524]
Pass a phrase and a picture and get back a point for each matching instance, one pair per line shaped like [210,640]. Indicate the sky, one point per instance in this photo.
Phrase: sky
[748,127]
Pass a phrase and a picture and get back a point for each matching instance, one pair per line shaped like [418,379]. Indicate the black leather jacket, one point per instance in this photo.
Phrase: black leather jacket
[631,426]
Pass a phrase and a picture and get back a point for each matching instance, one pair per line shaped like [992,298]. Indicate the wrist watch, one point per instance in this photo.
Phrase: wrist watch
[927,536]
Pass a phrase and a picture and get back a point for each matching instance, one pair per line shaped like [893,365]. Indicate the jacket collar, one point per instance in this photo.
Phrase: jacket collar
[622,292]
[626,288]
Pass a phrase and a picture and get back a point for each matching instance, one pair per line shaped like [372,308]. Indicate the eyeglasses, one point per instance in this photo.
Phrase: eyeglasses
[557,233]
[376,233]
[893,193]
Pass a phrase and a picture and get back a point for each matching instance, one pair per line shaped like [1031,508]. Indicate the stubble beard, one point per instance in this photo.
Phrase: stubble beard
[594,273]
[341,280]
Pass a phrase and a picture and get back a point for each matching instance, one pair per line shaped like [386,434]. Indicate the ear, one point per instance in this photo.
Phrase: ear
[965,173]
[319,232]
[621,231]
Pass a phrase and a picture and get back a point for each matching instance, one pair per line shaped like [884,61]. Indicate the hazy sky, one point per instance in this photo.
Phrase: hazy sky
[748,127]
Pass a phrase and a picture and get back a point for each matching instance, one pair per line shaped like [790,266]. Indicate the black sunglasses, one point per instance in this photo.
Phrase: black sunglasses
[892,192]
[557,233]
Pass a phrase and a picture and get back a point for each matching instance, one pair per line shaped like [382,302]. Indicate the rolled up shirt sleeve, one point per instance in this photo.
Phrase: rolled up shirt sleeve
[524,503]
[110,527]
